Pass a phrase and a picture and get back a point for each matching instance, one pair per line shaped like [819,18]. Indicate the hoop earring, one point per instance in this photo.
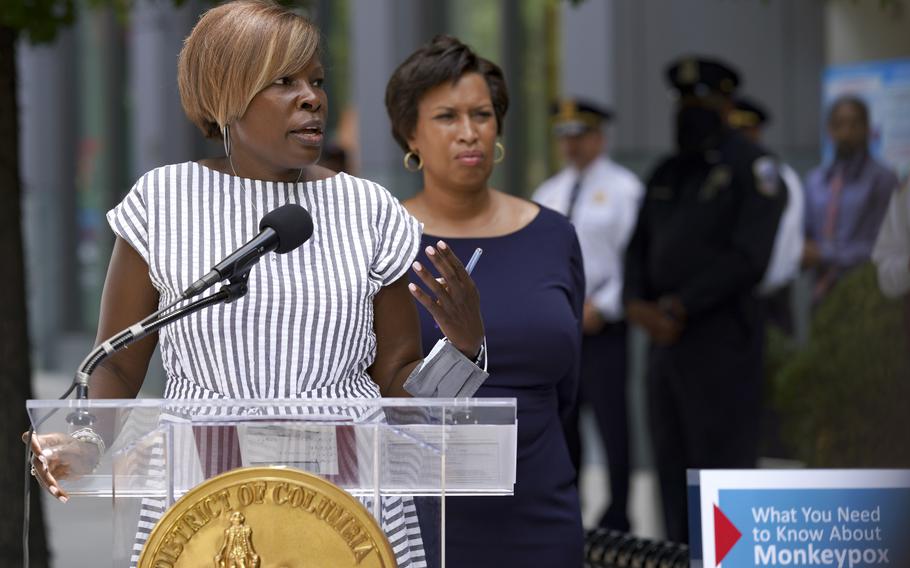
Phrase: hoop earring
[407,162]
[226,136]
[502,153]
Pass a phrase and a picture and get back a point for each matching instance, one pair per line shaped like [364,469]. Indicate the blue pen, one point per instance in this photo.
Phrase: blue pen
[474,258]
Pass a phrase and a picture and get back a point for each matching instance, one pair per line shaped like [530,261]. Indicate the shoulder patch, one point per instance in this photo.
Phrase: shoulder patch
[767,176]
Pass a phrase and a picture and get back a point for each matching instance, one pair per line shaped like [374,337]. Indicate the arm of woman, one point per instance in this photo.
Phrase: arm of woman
[398,348]
[128,297]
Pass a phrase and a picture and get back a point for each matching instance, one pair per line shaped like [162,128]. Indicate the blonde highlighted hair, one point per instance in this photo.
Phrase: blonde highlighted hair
[235,51]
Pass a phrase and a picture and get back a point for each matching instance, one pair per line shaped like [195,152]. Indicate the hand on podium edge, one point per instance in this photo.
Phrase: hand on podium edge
[59,456]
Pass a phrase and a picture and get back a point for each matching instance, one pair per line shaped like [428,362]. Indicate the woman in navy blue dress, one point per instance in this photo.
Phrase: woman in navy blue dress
[447,106]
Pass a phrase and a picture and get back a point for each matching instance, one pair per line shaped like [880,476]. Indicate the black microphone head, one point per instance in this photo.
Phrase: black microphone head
[292,223]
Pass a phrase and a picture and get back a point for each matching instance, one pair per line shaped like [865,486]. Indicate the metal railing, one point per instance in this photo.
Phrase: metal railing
[614,549]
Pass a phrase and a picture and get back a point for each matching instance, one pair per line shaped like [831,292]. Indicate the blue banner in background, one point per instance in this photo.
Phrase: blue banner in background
[844,528]
[836,518]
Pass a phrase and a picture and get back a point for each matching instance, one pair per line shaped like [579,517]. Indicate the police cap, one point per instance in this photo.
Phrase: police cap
[573,116]
[701,76]
[747,113]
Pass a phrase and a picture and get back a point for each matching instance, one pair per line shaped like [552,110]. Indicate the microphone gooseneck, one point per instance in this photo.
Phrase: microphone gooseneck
[281,230]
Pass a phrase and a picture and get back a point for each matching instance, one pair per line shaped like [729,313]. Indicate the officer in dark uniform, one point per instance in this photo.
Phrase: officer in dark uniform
[702,243]
[750,118]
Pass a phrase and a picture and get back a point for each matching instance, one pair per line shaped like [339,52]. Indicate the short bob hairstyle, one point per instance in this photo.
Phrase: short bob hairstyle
[235,51]
[443,59]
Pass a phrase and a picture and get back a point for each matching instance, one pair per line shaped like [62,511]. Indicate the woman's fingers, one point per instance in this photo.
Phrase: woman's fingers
[435,288]
[452,274]
[30,437]
[54,488]
[446,262]
[47,445]
[46,440]
[46,478]
[49,461]
[424,300]
[457,282]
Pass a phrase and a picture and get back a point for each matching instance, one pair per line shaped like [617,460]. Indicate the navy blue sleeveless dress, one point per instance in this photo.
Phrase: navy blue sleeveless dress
[531,285]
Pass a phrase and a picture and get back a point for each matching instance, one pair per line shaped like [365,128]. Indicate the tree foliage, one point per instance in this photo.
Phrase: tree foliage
[40,20]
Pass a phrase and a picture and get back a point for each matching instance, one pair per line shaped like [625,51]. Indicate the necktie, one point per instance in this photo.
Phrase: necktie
[834,189]
[573,196]
[827,278]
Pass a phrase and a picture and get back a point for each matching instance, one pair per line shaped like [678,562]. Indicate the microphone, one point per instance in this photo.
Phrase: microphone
[281,230]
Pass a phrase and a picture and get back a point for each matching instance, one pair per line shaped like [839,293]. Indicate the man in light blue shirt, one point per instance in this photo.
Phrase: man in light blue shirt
[846,199]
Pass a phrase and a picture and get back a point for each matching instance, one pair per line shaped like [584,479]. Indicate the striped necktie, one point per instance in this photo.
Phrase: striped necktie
[831,212]
[826,280]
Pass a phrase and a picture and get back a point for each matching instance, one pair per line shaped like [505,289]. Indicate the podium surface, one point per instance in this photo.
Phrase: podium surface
[373,449]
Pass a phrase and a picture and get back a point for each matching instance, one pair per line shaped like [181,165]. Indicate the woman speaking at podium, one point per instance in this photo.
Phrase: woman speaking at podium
[332,319]
[447,107]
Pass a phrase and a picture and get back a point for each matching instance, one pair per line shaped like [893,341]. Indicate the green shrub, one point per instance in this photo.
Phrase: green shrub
[845,398]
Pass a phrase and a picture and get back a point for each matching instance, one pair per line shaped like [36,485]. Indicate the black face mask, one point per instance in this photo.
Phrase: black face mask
[697,128]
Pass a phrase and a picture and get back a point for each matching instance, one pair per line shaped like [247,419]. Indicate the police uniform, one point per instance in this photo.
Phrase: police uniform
[602,201]
[702,242]
[787,253]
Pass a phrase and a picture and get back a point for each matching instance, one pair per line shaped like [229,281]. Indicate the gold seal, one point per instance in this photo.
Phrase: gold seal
[267,517]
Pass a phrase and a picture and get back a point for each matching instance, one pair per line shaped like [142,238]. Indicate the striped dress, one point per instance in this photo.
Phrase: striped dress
[305,329]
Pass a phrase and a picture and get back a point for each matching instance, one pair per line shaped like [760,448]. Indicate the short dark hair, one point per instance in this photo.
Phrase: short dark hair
[856,102]
[443,59]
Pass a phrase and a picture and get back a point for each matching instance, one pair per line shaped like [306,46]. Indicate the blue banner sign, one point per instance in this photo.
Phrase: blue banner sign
[789,518]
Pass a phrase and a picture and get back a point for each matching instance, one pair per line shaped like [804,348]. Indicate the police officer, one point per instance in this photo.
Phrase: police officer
[750,118]
[601,198]
[700,247]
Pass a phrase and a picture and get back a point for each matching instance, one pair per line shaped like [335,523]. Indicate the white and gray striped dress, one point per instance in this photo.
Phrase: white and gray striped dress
[305,329]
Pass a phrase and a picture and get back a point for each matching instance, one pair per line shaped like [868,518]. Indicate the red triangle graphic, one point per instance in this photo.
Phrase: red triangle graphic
[725,535]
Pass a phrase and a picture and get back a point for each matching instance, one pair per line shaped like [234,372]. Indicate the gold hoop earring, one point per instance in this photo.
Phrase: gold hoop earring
[407,162]
[502,153]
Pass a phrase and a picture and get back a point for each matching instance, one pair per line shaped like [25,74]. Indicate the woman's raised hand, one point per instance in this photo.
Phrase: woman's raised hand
[453,300]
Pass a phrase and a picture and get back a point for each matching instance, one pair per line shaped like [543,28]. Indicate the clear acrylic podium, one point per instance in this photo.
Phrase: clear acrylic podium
[375,449]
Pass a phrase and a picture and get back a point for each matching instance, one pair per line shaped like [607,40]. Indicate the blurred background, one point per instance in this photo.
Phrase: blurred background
[98,106]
